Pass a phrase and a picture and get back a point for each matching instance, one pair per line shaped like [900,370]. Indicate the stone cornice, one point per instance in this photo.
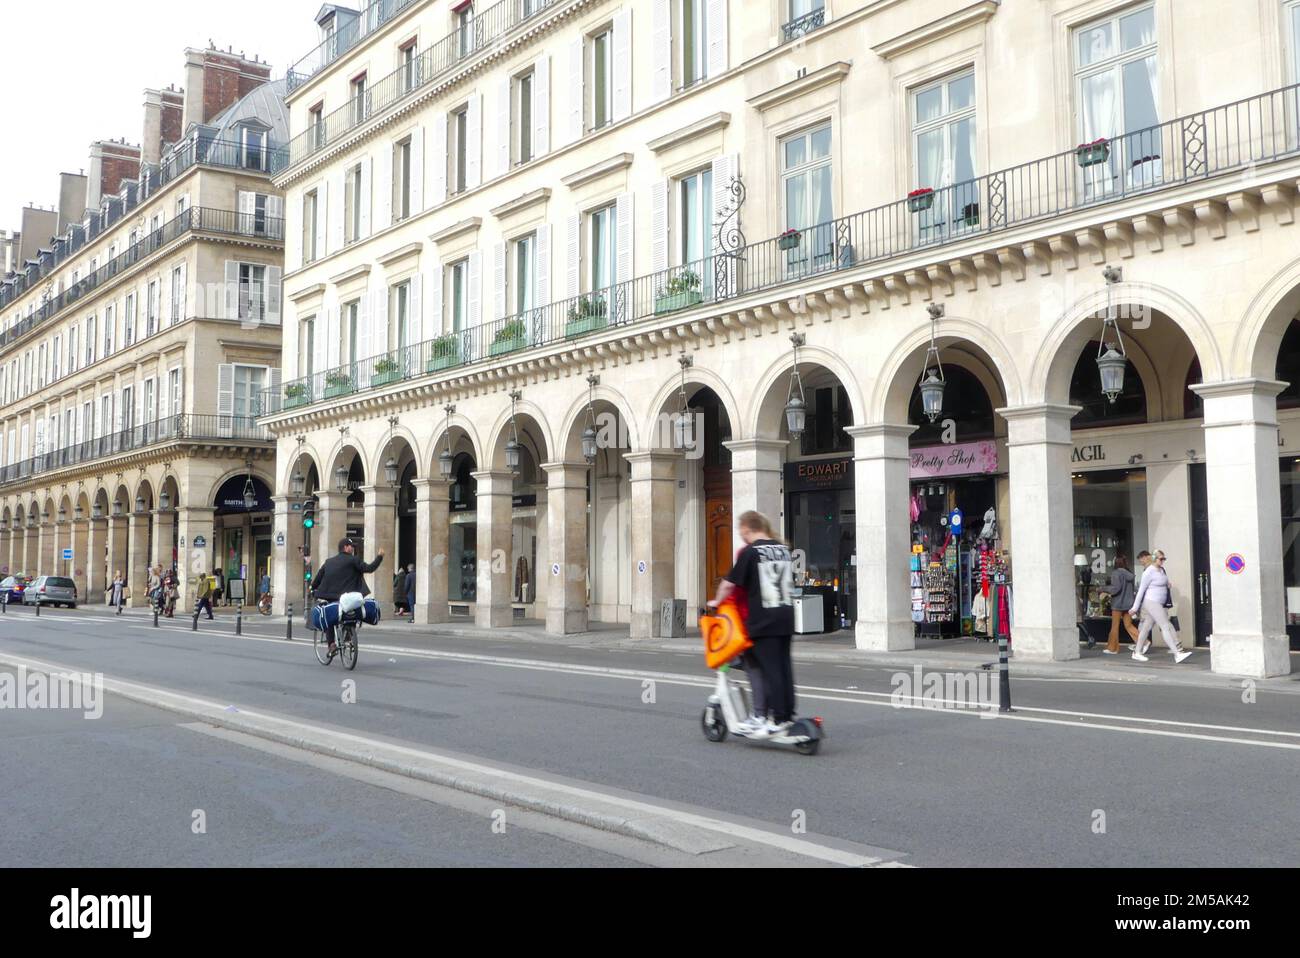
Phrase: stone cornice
[401,253]
[457,229]
[356,272]
[316,289]
[936,29]
[521,203]
[831,73]
[708,125]
[617,162]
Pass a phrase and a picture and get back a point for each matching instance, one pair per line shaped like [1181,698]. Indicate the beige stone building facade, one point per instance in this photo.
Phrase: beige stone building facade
[132,350]
[510,224]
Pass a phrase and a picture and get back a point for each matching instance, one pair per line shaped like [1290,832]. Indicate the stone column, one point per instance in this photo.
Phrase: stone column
[1245,506]
[1044,614]
[6,554]
[566,572]
[881,482]
[493,608]
[117,547]
[138,560]
[196,559]
[60,539]
[164,525]
[654,522]
[31,557]
[432,550]
[45,548]
[286,560]
[381,533]
[93,556]
[756,466]
[80,557]
[331,526]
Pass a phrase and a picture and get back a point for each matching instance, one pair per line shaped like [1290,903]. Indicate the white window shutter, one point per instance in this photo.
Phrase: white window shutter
[336,192]
[365,345]
[275,376]
[542,272]
[417,170]
[474,298]
[716,29]
[379,338]
[434,326]
[384,188]
[414,317]
[275,218]
[724,168]
[322,218]
[247,212]
[163,398]
[542,107]
[320,340]
[334,323]
[576,95]
[623,64]
[662,26]
[659,225]
[226,389]
[624,262]
[139,406]
[230,299]
[274,289]
[504,123]
[474,143]
[365,199]
[185,296]
[499,281]
[573,258]
[439,159]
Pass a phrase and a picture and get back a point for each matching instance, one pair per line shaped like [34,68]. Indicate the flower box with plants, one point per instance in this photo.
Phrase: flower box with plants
[788,240]
[1094,153]
[586,315]
[337,383]
[295,394]
[918,201]
[387,370]
[509,338]
[682,291]
[444,352]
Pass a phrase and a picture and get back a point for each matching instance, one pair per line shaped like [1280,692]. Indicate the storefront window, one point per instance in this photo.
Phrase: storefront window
[828,415]
[1110,518]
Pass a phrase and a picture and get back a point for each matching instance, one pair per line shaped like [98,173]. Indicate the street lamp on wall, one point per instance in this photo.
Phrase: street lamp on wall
[164,502]
[139,505]
[589,445]
[445,460]
[933,381]
[117,507]
[1112,360]
[796,406]
[341,479]
[684,428]
[390,467]
[512,445]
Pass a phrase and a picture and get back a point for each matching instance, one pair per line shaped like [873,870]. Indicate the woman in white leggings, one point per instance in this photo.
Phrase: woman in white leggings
[1152,594]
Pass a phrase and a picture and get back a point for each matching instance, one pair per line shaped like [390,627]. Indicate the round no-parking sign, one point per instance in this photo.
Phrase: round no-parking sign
[1236,564]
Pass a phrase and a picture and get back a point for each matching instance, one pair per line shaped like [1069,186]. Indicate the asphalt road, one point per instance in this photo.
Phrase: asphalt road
[1089,773]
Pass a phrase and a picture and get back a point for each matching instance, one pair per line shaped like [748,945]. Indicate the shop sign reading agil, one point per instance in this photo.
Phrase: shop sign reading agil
[960,459]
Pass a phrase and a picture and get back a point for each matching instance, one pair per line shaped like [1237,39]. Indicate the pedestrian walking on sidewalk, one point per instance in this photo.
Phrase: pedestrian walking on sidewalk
[1154,600]
[206,584]
[410,590]
[1123,592]
[399,592]
[117,591]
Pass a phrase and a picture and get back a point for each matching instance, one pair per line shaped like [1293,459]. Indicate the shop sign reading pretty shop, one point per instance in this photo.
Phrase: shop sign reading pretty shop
[959,459]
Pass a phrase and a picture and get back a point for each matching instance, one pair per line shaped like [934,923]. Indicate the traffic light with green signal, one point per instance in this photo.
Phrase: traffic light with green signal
[309,514]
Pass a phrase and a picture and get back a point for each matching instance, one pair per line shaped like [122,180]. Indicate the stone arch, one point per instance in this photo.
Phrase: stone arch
[308,452]
[336,456]
[501,430]
[229,474]
[901,370]
[461,428]
[1264,323]
[699,377]
[1049,379]
[574,421]
[767,401]
[401,435]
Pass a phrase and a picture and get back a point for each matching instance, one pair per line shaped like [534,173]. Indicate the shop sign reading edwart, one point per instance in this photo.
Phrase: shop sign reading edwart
[963,459]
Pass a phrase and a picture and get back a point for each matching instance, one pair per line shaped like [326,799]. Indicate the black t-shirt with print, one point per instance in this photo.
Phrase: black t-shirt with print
[765,570]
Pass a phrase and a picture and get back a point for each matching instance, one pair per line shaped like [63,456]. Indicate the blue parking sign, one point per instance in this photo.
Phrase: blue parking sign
[67,555]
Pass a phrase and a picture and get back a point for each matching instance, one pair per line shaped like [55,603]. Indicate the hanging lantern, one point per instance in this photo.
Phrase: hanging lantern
[589,444]
[164,502]
[341,479]
[117,507]
[96,511]
[796,406]
[933,381]
[1112,366]
[78,512]
[512,454]
[298,484]
[139,504]
[589,437]
[63,514]
[684,430]
[445,463]
[1112,360]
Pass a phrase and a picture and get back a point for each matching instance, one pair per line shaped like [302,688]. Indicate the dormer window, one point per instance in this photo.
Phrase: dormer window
[252,143]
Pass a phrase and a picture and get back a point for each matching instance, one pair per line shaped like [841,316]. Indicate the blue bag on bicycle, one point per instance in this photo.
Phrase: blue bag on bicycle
[370,612]
[324,617]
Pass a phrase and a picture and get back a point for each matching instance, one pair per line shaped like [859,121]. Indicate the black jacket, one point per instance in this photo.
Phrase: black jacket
[343,573]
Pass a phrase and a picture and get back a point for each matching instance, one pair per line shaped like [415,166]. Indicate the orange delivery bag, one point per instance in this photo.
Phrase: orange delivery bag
[725,636]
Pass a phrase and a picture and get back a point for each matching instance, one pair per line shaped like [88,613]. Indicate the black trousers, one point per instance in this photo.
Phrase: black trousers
[773,654]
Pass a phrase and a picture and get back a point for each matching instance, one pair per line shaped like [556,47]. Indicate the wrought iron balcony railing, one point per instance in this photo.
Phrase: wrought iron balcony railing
[434,62]
[184,427]
[195,219]
[802,26]
[1198,146]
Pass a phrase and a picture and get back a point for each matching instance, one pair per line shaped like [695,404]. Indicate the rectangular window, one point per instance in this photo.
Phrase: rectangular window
[806,173]
[352,200]
[465,31]
[174,392]
[1291,27]
[523,118]
[409,67]
[40,366]
[348,333]
[55,356]
[178,295]
[151,310]
[943,154]
[90,340]
[254,145]
[316,123]
[602,247]
[459,151]
[692,50]
[106,415]
[1118,100]
[127,409]
[310,210]
[402,180]
[525,272]
[110,323]
[805,17]
[601,69]
[150,400]
[360,102]
[399,333]
[458,286]
[249,383]
[74,357]
[307,345]
[695,214]
[128,320]
[252,292]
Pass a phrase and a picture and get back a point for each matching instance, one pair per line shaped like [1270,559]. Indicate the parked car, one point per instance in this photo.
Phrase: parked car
[13,587]
[51,590]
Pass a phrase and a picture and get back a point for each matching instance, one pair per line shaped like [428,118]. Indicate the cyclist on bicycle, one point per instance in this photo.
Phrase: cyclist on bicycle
[343,572]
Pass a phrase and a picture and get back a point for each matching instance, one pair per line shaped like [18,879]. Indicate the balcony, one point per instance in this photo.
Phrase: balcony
[235,430]
[1223,140]
[430,65]
[194,220]
[802,26]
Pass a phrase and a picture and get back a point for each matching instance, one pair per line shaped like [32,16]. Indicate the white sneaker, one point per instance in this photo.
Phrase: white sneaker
[777,728]
[1138,656]
[1182,657]
[749,725]
[1110,651]
[1145,647]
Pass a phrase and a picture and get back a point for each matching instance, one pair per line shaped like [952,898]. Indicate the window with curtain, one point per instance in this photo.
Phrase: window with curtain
[523,117]
[602,84]
[603,247]
[249,383]
[399,317]
[806,180]
[348,333]
[1117,89]
[692,63]
[525,267]
[943,153]
[695,213]
[458,283]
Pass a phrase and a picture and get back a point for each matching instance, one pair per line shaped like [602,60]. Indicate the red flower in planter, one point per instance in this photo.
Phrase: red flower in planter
[921,192]
[788,233]
[1100,141]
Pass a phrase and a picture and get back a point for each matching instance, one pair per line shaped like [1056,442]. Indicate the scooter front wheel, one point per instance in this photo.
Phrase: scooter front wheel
[713,723]
[809,747]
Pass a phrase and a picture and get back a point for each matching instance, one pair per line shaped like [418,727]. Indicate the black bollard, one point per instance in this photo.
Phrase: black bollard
[194,626]
[38,608]
[288,623]
[1004,677]
[239,620]
[155,616]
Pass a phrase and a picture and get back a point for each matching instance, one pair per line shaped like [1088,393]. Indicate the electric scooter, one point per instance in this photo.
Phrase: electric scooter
[728,706]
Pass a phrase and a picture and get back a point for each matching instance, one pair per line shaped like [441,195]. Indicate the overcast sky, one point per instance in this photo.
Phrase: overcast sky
[77,71]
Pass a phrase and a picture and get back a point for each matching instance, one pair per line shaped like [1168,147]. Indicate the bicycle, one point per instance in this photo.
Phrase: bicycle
[264,604]
[345,640]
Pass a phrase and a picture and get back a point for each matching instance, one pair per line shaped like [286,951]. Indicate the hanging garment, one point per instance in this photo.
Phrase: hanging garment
[979,610]
[914,508]
[1004,611]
